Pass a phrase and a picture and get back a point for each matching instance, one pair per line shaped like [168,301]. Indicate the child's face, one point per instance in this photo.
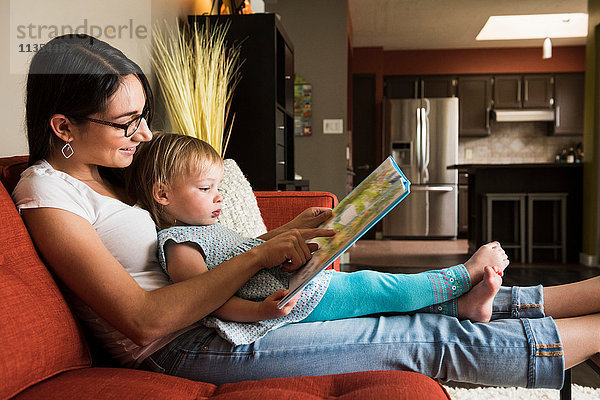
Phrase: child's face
[194,199]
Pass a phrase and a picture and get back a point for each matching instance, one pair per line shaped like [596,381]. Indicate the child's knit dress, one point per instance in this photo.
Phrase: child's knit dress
[219,244]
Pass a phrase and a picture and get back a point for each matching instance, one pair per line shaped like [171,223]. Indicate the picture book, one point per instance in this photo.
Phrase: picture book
[370,201]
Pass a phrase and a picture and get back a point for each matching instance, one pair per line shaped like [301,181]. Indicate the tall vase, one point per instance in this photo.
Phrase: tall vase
[240,211]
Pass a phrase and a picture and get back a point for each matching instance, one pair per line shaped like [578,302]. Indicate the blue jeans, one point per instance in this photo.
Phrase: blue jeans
[520,347]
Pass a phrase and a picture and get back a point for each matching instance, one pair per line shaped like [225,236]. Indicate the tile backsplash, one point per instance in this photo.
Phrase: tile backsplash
[512,143]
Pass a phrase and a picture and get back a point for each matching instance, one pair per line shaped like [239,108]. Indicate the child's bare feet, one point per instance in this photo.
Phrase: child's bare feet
[490,254]
[476,305]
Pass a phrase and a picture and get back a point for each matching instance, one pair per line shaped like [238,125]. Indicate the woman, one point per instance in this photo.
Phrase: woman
[87,106]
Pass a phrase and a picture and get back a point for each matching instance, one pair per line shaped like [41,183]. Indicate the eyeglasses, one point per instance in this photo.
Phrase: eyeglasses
[130,128]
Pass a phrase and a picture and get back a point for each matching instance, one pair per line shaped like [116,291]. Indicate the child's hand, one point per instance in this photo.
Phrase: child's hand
[289,248]
[267,309]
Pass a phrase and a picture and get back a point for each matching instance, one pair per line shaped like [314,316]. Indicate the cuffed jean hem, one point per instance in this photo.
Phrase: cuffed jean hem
[546,356]
[519,302]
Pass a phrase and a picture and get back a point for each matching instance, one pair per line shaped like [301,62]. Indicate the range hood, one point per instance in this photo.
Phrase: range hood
[521,115]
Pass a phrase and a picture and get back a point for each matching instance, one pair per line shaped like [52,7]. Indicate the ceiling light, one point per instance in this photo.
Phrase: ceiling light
[547,49]
[534,26]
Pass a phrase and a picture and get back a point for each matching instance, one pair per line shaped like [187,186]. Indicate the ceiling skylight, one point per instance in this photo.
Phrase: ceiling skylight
[534,26]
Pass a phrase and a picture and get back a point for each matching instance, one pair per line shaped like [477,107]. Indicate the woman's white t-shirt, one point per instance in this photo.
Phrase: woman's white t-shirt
[128,233]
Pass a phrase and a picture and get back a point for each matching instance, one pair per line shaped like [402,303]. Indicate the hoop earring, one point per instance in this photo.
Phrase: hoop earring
[67,150]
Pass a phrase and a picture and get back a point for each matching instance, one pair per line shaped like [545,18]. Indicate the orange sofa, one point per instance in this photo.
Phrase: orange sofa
[45,355]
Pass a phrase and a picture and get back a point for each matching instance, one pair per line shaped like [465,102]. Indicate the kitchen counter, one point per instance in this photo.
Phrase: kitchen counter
[470,168]
[525,178]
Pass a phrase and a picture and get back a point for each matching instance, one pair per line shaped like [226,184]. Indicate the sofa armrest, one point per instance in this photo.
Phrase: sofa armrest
[277,208]
[10,170]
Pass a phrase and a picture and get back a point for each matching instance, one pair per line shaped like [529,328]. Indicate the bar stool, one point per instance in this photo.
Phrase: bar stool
[518,218]
[557,243]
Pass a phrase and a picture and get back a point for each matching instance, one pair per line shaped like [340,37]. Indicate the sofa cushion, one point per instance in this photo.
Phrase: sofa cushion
[38,334]
[366,385]
[118,384]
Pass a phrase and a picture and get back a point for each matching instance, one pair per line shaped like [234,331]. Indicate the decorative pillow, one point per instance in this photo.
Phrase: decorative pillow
[240,211]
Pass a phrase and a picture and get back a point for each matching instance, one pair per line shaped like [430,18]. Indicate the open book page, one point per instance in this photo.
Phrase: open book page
[374,197]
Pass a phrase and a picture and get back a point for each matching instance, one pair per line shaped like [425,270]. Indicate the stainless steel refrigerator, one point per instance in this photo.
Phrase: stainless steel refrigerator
[422,136]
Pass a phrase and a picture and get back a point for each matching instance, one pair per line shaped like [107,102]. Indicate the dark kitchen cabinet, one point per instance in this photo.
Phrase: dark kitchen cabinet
[262,138]
[477,94]
[538,91]
[507,91]
[475,102]
[401,87]
[568,103]
[413,87]
[523,91]
[438,86]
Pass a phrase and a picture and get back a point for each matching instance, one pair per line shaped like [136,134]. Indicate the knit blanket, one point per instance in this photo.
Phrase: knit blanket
[240,210]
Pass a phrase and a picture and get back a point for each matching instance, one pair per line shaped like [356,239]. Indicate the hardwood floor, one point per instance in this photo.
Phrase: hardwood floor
[412,256]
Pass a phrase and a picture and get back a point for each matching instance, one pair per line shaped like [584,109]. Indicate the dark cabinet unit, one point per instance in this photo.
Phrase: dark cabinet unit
[477,94]
[262,138]
[438,86]
[523,91]
[568,103]
[413,87]
[401,87]
[475,102]
[538,91]
[507,91]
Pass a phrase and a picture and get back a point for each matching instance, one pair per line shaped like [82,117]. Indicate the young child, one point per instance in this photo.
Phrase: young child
[176,178]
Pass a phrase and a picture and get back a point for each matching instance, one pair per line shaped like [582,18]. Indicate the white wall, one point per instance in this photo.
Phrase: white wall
[318,31]
[12,111]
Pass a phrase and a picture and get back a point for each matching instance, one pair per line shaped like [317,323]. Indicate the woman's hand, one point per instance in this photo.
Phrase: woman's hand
[312,217]
[267,309]
[289,248]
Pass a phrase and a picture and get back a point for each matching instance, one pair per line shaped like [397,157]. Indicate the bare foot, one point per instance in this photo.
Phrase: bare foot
[491,254]
[476,304]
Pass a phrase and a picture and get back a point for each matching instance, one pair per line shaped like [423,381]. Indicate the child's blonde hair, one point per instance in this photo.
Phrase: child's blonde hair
[159,162]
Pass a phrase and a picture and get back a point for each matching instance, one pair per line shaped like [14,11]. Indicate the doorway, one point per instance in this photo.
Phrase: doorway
[364,132]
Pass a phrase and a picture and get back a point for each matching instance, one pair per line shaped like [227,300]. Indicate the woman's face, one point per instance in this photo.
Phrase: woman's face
[98,144]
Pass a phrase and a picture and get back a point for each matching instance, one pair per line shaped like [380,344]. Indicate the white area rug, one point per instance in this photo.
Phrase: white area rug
[495,393]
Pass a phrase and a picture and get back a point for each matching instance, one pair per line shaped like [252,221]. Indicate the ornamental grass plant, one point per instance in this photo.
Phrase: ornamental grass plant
[197,73]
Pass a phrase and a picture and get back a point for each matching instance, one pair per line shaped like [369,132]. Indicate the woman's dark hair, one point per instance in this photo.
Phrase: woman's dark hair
[74,75]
